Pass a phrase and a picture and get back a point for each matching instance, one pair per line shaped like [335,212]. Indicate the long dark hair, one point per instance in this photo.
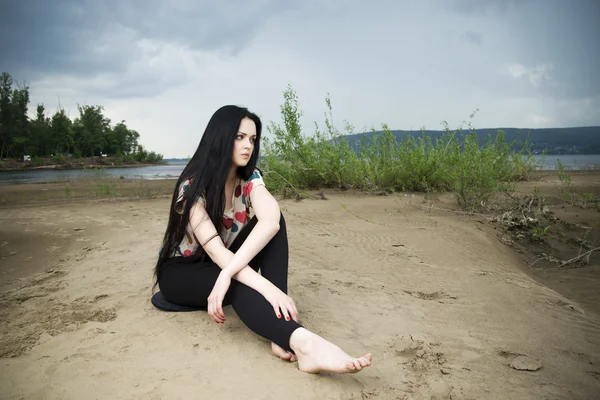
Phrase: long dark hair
[207,172]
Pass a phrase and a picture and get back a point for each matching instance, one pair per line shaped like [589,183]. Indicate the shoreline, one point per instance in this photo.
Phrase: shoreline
[72,168]
[535,175]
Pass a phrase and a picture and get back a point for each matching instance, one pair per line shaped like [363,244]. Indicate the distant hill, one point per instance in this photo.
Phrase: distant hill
[581,140]
[176,161]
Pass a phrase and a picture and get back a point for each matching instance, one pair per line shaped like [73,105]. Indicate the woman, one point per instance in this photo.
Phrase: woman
[223,227]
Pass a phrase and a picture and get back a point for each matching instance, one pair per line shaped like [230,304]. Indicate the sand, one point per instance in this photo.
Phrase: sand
[447,310]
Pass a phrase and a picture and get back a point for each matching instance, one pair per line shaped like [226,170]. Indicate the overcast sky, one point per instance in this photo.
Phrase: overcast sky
[166,66]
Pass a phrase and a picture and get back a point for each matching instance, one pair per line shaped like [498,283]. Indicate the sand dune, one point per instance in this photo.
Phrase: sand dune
[442,304]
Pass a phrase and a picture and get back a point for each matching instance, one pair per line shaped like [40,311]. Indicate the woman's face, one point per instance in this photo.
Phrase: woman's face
[244,143]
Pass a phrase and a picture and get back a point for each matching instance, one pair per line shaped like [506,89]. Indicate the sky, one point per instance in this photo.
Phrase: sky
[166,67]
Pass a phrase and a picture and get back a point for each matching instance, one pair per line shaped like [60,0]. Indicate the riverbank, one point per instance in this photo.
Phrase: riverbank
[85,189]
[52,163]
[447,302]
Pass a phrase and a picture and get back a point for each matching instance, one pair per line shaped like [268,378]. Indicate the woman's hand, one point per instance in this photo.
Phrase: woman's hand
[215,300]
[283,302]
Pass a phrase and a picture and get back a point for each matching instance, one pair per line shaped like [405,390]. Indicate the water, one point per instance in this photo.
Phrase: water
[173,169]
[570,162]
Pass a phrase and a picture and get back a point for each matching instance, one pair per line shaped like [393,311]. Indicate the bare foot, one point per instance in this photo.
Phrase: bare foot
[281,353]
[316,354]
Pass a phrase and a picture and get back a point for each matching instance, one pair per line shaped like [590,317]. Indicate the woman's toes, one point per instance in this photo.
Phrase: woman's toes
[363,362]
[281,353]
[350,366]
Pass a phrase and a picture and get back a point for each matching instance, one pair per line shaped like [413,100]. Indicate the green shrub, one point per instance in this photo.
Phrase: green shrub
[457,163]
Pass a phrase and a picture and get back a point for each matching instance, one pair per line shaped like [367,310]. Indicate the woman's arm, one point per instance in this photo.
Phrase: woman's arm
[236,265]
[221,255]
[268,215]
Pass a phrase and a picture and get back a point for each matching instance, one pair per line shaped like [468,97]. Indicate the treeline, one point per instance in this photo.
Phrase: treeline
[88,135]
[577,140]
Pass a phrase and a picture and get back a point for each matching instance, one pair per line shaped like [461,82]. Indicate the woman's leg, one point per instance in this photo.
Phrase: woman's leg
[190,284]
[314,352]
[253,309]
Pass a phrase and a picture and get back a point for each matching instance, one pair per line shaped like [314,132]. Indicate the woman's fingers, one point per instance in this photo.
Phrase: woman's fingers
[276,309]
[286,314]
[211,312]
[220,312]
[293,311]
[214,313]
[286,311]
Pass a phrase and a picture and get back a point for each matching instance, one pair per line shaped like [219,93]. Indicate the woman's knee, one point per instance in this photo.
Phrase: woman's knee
[282,226]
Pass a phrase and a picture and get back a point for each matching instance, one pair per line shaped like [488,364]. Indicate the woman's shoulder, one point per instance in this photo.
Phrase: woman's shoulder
[257,174]
[253,181]
[256,178]
[184,188]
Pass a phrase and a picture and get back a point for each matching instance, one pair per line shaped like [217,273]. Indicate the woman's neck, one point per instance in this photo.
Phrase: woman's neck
[232,175]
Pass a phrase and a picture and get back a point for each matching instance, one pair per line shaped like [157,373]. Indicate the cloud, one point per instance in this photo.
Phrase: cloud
[472,37]
[496,7]
[157,67]
[537,76]
[165,67]
[87,37]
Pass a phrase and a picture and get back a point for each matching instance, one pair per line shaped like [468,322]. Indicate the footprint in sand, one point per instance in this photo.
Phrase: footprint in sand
[520,362]
[426,369]
[44,315]
[53,249]
[418,355]
[519,283]
[570,307]
[439,295]
[347,284]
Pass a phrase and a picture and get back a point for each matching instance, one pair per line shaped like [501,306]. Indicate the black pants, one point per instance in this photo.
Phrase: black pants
[190,284]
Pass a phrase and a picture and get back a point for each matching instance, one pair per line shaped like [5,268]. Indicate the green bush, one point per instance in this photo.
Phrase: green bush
[153,158]
[455,162]
[59,159]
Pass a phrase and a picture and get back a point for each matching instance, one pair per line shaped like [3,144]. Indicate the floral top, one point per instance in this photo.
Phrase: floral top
[234,219]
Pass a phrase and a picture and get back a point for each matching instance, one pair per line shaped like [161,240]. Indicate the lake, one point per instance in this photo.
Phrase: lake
[173,169]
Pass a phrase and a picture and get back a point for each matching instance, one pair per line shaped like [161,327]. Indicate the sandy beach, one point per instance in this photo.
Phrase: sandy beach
[448,309]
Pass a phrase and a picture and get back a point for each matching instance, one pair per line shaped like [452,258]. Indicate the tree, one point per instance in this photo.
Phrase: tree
[91,130]
[20,120]
[89,134]
[6,114]
[116,139]
[131,142]
[41,139]
[62,132]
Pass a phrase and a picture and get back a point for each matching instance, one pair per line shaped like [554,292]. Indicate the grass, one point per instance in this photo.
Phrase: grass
[456,163]
[573,197]
[99,183]
[86,188]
